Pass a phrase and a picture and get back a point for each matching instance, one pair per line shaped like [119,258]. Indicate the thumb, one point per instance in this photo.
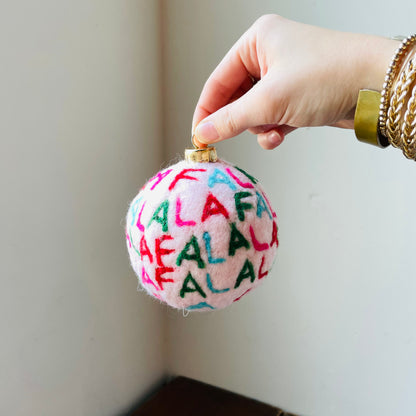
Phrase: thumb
[250,110]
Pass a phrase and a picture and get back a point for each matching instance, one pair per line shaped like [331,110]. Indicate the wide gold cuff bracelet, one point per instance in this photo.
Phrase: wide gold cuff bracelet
[366,119]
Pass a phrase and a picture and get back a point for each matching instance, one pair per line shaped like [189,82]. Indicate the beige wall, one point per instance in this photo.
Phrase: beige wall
[80,107]
[332,331]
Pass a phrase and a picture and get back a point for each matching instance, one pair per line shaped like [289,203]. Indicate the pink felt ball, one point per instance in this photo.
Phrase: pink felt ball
[201,235]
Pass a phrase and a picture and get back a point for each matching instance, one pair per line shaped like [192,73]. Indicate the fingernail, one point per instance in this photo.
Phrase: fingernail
[206,132]
[274,139]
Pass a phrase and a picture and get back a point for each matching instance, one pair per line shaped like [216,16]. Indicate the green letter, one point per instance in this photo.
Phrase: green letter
[190,289]
[164,219]
[237,240]
[246,271]
[241,206]
[252,178]
[184,255]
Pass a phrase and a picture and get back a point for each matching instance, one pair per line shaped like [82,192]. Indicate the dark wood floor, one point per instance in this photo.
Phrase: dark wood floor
[186,397]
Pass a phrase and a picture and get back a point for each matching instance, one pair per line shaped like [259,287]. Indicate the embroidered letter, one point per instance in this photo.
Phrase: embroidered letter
[261,273]
[268,204]
[159,178]
[218,176]
[147,279]
[252,178]
[134,208]
[182,175]
[200,305]
[242,206]
[190,289]
[211,260]
[245,293]
[246,272]
[211,287]
[179,221]
[237,240]
[213,207]
[159,272]
[160,251]
[144,249]
[196,255]
[128,238]
[274,235]
[258,246]
[261,206]
[163,220]
[132,244]
[139,224]
[243,184]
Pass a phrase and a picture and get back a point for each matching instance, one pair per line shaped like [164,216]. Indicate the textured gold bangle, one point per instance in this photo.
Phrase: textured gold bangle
[398,99]
[391,74]
[408,130]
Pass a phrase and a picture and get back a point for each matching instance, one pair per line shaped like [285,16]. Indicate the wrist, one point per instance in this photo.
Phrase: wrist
[377,53]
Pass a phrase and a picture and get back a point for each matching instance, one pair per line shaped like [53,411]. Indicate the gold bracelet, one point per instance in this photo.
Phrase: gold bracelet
[408,131]
[366,119]
[391,74]
[401,88]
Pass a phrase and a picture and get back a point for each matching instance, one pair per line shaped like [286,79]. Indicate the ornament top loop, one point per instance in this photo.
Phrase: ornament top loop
[200,154]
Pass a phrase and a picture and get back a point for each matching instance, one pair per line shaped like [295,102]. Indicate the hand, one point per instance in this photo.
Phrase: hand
[281,75]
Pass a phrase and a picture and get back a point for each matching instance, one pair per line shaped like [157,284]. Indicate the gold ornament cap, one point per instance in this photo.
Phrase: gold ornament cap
[200,154]
[207,154]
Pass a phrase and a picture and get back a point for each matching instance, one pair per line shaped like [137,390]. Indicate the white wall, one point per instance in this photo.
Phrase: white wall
[332,331]
[80,107]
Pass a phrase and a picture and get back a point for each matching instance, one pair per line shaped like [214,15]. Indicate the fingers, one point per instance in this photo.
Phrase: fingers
[240,91]
[231,78]
[250,110]
[270,139]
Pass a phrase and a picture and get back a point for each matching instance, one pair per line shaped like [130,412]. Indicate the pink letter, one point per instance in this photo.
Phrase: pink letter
[139,224]
[159,178]
[258,246]
[179,221]
[268,203]
[147,279]
[244,185]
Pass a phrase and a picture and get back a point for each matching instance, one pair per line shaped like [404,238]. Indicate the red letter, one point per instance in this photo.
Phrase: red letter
[162,251]
[159,278]
[274,236]
[261,273]
[144,249]
[182,175]
[213,207]
[245,293]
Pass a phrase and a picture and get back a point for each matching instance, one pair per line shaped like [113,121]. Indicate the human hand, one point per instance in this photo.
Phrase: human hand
[306,76]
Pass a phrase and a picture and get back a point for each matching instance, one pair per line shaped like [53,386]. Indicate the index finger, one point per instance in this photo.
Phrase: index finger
[223,83]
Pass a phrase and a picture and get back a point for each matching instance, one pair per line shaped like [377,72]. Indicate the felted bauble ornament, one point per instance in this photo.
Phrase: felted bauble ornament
[201,234]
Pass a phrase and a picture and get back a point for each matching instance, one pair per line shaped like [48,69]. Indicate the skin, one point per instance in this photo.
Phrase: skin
[282,75]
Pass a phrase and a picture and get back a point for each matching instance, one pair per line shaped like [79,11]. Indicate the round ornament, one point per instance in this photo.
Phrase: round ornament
[201,234]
